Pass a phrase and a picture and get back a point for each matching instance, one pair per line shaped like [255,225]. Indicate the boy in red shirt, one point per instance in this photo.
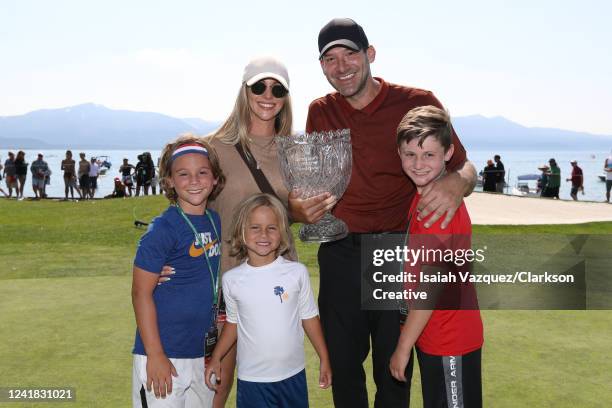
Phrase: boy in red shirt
[449,339]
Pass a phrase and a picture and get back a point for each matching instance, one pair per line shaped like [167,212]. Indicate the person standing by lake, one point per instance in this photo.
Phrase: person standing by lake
[10,175]
[40,172]
[94,170]
[500,174]
[543,180]
[554,180]
[142,178]
[489,177]
[83,176]
[577,180]
[21,170]
[608,172]
[126,170]
[69,168]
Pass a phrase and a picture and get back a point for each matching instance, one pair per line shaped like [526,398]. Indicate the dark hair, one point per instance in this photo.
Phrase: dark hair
[424,121]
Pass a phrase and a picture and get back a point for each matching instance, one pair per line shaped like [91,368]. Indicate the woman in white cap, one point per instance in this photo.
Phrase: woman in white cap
[248,157]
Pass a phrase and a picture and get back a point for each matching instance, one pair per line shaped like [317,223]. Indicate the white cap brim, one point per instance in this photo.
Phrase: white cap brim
[264,75]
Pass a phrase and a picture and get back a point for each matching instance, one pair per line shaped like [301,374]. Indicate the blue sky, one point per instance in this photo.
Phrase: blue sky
[543,64]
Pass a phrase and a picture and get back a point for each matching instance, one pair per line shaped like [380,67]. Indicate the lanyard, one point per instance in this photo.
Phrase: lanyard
[214,278]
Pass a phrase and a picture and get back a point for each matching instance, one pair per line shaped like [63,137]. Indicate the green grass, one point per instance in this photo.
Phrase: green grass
[66,315]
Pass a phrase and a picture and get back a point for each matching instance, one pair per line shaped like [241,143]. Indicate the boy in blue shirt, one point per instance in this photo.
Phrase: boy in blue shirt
[176,319]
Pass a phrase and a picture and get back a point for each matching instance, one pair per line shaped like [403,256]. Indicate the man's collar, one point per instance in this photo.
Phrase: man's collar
[373,106]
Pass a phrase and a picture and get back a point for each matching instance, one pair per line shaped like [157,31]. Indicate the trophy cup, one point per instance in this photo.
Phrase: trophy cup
[315,163]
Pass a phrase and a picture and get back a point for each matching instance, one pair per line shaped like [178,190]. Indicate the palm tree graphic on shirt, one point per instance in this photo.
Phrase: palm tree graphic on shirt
[279,291]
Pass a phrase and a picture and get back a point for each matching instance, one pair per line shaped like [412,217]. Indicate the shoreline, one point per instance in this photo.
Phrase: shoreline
[490,209]
[501,209]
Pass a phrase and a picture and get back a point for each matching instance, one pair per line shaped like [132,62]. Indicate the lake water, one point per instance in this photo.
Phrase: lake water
[515,162]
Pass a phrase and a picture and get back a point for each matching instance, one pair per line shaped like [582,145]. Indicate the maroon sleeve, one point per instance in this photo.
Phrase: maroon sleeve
[310,119]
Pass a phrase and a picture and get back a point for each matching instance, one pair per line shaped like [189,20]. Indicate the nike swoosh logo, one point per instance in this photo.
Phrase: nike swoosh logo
[195,252]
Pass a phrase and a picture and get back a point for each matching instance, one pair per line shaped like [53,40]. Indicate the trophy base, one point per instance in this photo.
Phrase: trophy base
[328,229]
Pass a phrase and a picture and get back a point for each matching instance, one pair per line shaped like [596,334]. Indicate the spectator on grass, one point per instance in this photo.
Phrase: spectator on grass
[608,172]
[21,171]
[118,189]
[40,172]
[1,189]
[141,176]
[94,171]
[154,183]
[10,175]
[69,169]
[126,171]
[83,176]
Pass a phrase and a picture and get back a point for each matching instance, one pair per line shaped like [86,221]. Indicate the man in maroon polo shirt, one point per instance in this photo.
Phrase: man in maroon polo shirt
[377,200]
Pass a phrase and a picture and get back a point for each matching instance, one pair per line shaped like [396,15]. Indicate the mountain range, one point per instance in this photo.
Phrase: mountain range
[97,127]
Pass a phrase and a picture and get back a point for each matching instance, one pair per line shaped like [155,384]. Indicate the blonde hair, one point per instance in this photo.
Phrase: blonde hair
[424,121]
[165,166]
[236,127]
[237,242]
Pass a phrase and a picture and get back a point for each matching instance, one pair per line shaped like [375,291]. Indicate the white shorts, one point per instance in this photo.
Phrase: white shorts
[188,389]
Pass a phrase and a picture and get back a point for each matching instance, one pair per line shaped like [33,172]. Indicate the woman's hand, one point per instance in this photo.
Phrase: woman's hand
[165,273]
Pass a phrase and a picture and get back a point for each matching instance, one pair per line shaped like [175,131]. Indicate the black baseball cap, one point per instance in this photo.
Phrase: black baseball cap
[342,32]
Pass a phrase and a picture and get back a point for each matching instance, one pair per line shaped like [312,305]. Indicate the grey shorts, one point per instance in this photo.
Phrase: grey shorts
[38,182]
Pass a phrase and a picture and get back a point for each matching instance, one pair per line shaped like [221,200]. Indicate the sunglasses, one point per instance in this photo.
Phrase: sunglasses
[278,91]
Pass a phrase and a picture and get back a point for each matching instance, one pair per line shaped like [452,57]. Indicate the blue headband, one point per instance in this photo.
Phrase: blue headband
[188,148]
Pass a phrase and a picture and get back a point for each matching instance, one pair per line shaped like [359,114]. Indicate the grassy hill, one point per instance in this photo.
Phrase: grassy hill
[66,316]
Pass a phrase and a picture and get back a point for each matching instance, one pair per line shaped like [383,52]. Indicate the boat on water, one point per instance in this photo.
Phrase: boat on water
[105,164]
[526,185]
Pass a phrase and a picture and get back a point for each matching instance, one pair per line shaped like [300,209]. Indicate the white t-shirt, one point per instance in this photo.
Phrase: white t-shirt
[268,304]
[94,169]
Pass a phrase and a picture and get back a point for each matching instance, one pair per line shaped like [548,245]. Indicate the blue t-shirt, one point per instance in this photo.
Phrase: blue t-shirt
[183,304]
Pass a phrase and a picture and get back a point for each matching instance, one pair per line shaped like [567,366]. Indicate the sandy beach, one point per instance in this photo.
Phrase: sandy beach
[486,208]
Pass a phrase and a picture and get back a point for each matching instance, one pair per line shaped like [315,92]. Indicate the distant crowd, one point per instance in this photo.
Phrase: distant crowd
[494,175]
[81,176]
[548,182]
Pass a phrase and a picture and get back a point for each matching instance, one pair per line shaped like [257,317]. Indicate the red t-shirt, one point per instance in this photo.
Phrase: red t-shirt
[379,192]
[576,176]
[448,332]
